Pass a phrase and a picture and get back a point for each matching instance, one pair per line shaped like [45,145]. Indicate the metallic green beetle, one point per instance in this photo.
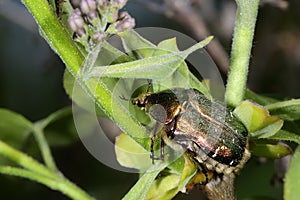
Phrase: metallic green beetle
[209,132]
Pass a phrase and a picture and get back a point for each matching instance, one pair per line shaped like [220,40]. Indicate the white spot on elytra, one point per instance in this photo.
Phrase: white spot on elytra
[216,152]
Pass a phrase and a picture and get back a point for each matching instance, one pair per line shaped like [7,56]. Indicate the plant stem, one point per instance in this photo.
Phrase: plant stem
[23,160]
[62,44]
[58,183]
[55,35]
[38,172]
[44,147]
[241,50]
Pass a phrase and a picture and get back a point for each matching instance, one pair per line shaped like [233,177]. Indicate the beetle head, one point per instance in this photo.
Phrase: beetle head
[141,100]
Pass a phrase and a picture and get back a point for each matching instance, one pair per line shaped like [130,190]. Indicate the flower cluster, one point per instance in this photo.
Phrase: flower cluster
[94,20]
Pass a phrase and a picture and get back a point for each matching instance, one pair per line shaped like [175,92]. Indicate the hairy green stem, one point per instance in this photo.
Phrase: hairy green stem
[57,183]
[38,172]
[64,46]
[56,36]
[44,147]
[241,49]
[23,160]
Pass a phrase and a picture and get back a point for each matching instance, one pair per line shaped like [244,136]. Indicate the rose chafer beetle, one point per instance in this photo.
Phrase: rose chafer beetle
[211,134]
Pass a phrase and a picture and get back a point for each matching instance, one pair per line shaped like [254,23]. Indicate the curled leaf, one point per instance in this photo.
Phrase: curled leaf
[257,120]
[272,151]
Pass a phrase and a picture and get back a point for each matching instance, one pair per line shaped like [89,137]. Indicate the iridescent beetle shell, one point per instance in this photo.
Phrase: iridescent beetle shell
[211,134]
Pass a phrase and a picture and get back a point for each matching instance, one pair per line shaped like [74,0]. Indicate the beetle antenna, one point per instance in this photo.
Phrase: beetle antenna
[123,98]
[150,86]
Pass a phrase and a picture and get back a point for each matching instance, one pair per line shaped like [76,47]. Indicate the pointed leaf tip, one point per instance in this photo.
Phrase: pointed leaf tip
[197,46]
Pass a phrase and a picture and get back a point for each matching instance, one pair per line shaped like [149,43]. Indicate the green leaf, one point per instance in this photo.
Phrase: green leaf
[257,120]
[131,154]
[135,45]
[260,99]
[270,128]
[164,188]
[154,67]
[14,128]
[141,188]
[188,173]
[165,66]
[111,55]
[287,110]
[169,45]
[272,151]
[286,136]
[177,166]
[292,178]
[104,54]
[181,76]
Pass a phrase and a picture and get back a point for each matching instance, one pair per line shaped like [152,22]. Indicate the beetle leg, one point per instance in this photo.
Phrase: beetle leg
[152,155]
[205,172]
[152,148]
[122,97]
[150,87]
[201,164]
[153,137]
[162,149]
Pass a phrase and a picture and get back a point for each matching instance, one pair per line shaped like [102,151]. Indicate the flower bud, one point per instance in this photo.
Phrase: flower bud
[88,7]
[75,3]
[126,22]
[112,15]
[98,36]
[76,22]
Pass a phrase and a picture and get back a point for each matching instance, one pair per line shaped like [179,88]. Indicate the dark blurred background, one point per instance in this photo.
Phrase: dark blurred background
[31,82]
